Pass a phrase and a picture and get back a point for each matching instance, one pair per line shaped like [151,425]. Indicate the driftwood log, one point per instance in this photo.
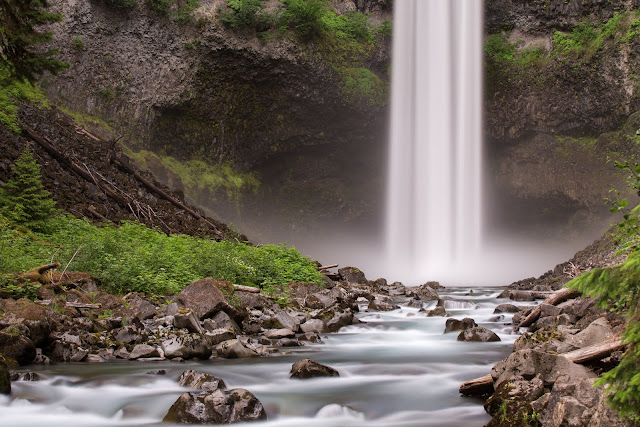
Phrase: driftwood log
[249,289]
[70,304]
[484,385]
[327,267]
[557,298]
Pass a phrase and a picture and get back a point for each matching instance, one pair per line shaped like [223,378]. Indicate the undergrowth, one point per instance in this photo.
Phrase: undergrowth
[12,90]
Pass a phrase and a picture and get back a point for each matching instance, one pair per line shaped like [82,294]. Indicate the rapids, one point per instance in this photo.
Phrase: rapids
[396,369]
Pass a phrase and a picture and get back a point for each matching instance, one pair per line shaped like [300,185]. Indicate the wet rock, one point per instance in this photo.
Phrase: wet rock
[29,376]
[478,334]
[310,337]
[223,321]
[497,318]
[200,380]
[382,305]
[234,349]
[276,334]
[455,325]
[339,320]
[204,297]
[144,351]
[352,275]
[288,342]
[506,308]
[314,325]
[308,368]
[529,363]
[426,292]
[216,407]
[437,312]
[414,303]
[186,319]
[18,348]
[396,289]
[187,347]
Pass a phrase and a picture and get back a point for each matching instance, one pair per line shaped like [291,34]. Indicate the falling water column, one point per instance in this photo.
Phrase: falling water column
[434,201]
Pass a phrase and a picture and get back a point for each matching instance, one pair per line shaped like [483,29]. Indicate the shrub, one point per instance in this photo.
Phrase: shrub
[23,199]
[305,17]
[77,43]
[243,14]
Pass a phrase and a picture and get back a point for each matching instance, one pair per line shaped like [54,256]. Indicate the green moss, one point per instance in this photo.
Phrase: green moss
[85,120]
[12,90]
[361,83]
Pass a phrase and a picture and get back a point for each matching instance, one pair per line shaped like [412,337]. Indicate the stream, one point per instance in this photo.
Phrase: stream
[396,369]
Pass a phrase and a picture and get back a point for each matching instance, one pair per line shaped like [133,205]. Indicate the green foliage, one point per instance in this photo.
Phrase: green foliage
[245,14]
[77,43]
[136,258]
[12,89]
[498,48]
[362,83]
[305,17]
[619,287]
[178,10]
[23,199]
[19,21]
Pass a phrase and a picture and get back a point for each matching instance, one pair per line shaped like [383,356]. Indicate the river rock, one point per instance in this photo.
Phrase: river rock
[217,336]
[18,348]
[141,308]
[216,407]
[288,342]
[572,402]
[552,322]
[352,275]
[506,308]
[307,368]
[204,297]
[517,390]
[276,334]
[598,331]
[478,334]
[381,305]
[128,335]
[186,319]
[414,303]
[144,351]
[234,349]
[396,289]
[310,337]
[529,363]
[187,347]
[339,320]
[64,351]
[437,312]
[200,380]
[314,325]
[224,321]
[426,292]
[455,325]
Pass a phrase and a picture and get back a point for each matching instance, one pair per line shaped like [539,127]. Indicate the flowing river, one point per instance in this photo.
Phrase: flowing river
[396,369]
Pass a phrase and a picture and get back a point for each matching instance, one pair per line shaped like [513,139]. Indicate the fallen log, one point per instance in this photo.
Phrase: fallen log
[327,267]
[71,304]
[557,298]
[484,385]
[478,386]
[40,274]
[243,288]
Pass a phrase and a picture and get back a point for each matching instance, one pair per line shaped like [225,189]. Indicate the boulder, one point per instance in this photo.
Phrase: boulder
[529,363]
[18,348]
[141,308]
[382,305]
[187,347]
[353,275]
[283,320]
[217,336]
[200,380]
[216,407]
[426,292]
[288,342]
[414,303]
[34,316]
[396,289]
[276,334]
[339,320]
[548,310]
[598,331]
[128,335]
[186,319]
[314,325]
[308,368]
[223,321]
[5,377]
[144,351]
[310,337]
[572,402]
[65,351]
[506,308]
[478,334]
[234,349]
[455,325]
[204,297]
[521,390]
[552,322]
[437,312]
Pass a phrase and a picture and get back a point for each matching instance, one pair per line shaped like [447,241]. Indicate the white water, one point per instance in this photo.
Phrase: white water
[397,369]
[435,194]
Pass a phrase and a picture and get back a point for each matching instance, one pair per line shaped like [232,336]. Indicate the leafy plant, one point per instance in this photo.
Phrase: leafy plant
[23,199]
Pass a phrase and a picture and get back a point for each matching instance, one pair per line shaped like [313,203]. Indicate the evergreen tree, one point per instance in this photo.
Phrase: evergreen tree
[24,199]
[18,36]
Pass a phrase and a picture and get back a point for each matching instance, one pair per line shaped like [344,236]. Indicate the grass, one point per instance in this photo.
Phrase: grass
[133,257]
[13,90]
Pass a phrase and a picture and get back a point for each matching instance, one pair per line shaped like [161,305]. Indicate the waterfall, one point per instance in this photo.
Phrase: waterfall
[434,200]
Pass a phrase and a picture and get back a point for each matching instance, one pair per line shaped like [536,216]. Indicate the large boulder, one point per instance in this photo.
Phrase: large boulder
[506,308]
[598,331]
[529,363]
[185,319]
[353,275]
[143,351]
[426,292]
[5,377]
[478,334]
[339,320]
[35,317]
[224,321]
[455,325]
[140,307]
[572,402]
[307,368]
[17,347]
[314,325]
[200,380]
[205,297]
[187,347]
[234,349]
[517,390]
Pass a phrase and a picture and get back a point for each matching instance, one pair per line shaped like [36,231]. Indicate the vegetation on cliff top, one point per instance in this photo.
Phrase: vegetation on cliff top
[131,257]
[619,287]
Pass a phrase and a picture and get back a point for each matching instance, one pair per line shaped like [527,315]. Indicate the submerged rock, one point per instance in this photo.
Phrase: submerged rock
[308,368]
